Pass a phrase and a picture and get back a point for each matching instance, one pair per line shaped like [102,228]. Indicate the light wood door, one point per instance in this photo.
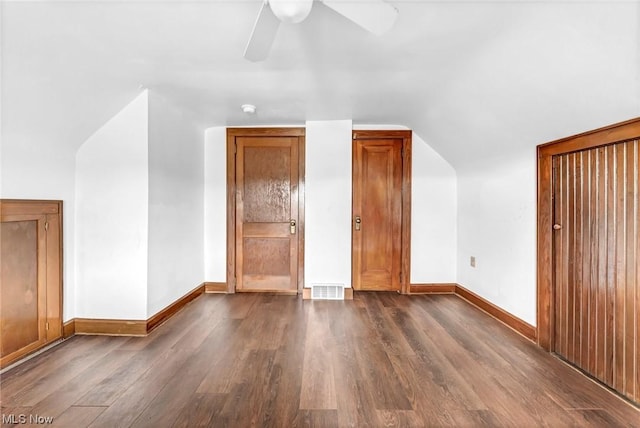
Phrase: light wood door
[267,222]
[30,285]
[377,214]
[596,263]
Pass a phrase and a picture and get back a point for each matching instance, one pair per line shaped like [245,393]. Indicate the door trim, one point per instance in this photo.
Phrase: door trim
[405,244]
[232,134]
[615,133]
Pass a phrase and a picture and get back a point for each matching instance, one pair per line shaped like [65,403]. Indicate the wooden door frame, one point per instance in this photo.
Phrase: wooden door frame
[232,134]
[49,211]
[615,133]
[405,244]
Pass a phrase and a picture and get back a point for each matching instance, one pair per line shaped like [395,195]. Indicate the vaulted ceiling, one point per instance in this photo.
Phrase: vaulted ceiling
[473,78]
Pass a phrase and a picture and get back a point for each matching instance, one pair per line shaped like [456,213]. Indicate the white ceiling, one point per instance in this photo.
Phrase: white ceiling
[471,78]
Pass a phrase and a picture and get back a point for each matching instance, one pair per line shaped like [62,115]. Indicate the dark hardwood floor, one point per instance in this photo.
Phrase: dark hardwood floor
[263,360]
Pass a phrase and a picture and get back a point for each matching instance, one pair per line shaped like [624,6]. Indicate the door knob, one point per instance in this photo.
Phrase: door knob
[557,226]
[358,222]
[292,223]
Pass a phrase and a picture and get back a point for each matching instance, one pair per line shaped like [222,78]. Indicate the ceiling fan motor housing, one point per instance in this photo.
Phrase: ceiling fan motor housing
[293,11]
[375,16]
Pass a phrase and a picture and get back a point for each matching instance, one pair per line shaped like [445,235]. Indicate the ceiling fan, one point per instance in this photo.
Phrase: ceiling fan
[376,16]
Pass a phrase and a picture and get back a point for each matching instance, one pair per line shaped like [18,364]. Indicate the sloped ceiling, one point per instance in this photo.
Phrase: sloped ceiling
[473,78]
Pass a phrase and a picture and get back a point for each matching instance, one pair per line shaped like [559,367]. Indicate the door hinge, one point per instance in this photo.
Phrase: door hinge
[46,225]
[46,325]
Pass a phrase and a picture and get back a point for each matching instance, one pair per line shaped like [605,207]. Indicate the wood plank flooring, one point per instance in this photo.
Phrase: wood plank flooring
[263,360]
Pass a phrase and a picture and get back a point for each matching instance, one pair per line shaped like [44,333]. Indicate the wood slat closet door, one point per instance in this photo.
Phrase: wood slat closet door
[596,269]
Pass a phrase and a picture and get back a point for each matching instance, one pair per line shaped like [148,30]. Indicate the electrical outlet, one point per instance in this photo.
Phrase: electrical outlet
[472,261]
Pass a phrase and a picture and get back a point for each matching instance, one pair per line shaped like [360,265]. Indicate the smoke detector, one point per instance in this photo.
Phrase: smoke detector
[248,108]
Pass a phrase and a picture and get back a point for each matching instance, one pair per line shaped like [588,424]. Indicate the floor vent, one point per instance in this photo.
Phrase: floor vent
[327,291]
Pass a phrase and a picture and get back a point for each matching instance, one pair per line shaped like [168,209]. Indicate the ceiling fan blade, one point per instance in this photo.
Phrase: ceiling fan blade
[263,35]
[375,16]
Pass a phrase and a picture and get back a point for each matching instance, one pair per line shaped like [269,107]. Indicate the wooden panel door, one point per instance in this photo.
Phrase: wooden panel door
[377,214]
[30,285]
[267,219]
[595,263]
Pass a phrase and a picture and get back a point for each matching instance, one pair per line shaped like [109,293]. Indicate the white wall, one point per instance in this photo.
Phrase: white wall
[328,202]
[215,199]
[215,204]
[176,207]
[433,212]
[139,211]
[497,166]
[496,224]
[47,173]
[433,216]
[328,206]
[112,216]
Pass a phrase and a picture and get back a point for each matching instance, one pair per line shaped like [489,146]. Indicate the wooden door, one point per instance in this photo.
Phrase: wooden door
[30,283]
[377,213]
[267,212]
[596,248]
